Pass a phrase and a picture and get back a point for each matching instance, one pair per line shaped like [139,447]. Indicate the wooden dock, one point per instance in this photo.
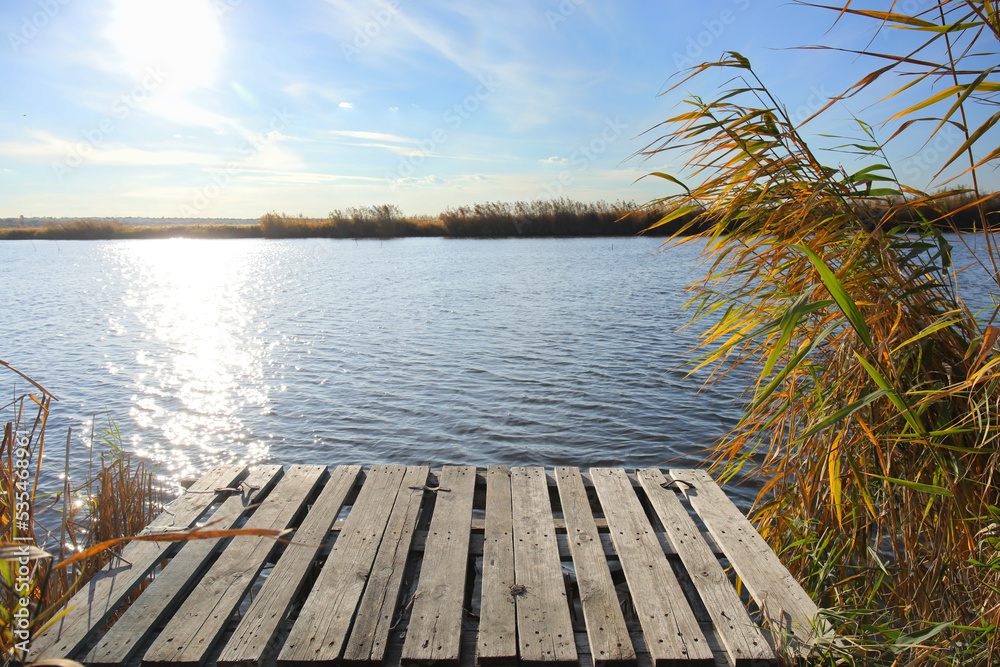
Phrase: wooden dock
[400,565]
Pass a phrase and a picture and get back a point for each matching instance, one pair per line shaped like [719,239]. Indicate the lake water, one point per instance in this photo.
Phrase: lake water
[429,351]
[417,351]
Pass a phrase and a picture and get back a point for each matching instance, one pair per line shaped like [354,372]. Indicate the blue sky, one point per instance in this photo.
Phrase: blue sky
[232,108]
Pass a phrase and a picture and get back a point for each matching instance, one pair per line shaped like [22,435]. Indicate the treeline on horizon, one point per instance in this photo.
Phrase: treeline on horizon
[540,218]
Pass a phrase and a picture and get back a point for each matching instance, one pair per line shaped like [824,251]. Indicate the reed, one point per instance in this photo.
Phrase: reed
[53,541]
[108,230]
[560,217]
[872,417]
[547,217]
[381,222]
[41,527]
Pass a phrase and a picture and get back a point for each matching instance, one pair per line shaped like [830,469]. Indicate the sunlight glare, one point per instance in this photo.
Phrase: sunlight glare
[202,363]
[180,37]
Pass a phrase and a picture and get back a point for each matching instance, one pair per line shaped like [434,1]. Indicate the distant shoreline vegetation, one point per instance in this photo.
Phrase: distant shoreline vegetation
[560,217]
[541,218]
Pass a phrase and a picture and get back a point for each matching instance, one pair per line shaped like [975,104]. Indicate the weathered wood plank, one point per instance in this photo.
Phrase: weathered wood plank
[544,626]
[99,598]
[609,638]
[252,640]
[164,593]
[381,598]
[670,627]
[435,628]
[442,586]
[479,525]
[476,543]
[737,632]
[200,621]
[497,641]
[320,631]
[789,610]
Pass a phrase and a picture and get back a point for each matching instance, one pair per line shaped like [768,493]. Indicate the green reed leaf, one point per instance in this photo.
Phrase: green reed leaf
[916,486]
[845,412]
[893,396]
[837,291]
[929,330]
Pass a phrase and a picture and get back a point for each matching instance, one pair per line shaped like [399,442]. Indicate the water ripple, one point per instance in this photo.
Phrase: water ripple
[417,351]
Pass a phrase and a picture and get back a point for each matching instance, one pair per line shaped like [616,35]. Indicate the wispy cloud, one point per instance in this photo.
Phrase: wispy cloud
[407,96]
[47,146]
[137,157]
[374,136]
[275,176]
[398,150]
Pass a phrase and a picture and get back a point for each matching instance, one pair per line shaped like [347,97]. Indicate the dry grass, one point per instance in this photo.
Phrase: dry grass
[109,229]
[54,540]
[548,217]
[560,217]
[117,497]
[385,221]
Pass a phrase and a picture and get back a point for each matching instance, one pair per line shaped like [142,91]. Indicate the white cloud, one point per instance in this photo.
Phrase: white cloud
[274,176]
[555,159]
[45,145]
[303,89]
[530,92]
[140,158]
[179,111]
[346,105]
[399,150]
[391,142]
[374,136]
[48,146]
[422,181]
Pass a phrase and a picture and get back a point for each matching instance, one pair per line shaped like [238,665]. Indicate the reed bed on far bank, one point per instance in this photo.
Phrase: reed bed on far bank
[558,217]
[93,230]
[379,222]
[539,218]
[549,217]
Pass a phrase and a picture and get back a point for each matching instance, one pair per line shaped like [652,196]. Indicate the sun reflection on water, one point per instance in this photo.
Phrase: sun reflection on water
[200,362]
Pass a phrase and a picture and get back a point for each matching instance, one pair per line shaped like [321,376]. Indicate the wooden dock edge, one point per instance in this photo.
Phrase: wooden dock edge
[686,518]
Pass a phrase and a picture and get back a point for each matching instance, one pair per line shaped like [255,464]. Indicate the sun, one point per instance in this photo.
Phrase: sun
[180,37]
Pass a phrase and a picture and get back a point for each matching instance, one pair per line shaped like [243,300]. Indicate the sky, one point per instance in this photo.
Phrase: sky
[233,108]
